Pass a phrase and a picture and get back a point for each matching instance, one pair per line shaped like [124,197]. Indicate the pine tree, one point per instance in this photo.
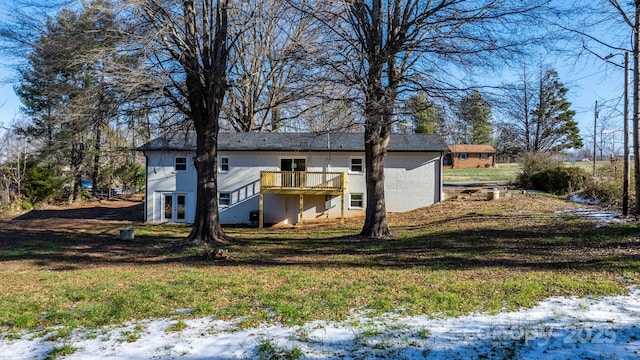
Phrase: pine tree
[425,116]
[554,128]
[475,111]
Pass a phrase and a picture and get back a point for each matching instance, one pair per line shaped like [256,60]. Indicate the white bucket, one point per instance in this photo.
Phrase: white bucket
[126,234]
[493,195]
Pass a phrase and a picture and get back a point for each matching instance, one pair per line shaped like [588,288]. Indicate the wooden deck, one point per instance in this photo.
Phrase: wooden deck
[301,183]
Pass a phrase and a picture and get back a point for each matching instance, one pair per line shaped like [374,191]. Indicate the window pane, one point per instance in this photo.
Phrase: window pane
[168,207]
[299,165]
[224,199]
[224,164]
[356,165]
[355,200]
[181,164]
[181,211]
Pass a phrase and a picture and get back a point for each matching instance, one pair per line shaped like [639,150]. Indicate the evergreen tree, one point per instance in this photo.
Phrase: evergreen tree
[475,112]
[554,128]
[65,90]
[425,116]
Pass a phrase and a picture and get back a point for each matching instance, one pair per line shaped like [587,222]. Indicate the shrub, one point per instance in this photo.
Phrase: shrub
[41,184]
[606,193]
[547,173]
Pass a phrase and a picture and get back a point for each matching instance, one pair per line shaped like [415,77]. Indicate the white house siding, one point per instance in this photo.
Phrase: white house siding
[419,174]
[162,178]
[242,181]
[412,180]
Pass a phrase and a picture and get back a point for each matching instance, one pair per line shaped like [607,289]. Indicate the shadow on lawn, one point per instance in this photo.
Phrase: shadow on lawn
[126,213]
[480,241]
[552,243]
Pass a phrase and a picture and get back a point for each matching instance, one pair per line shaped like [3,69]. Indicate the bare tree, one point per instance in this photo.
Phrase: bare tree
[13,163]
[610,27]
[388,47]
[269,73]
[188,42]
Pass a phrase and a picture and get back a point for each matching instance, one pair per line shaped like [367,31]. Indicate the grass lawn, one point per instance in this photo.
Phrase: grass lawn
[503,172]
[450,259]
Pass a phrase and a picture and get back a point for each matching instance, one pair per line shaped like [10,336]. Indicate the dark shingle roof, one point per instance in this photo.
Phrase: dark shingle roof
[296,142]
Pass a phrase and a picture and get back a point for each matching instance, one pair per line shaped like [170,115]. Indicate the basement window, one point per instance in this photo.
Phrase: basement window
[224,199]
[356,201]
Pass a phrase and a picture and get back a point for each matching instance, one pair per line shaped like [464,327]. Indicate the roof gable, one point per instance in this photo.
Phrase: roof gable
[296,142]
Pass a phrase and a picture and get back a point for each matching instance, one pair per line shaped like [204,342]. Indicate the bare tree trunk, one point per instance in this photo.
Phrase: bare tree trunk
[205,96]
[636,104]
[378,110]
[96,158]
[206,226]
[77,159]
[375,225]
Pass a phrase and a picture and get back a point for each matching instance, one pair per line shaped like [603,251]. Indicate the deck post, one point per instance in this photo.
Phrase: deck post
[261,212]
[301,209]
[343,177]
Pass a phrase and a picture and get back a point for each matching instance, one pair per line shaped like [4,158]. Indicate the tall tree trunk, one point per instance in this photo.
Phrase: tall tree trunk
[206,95]
[376,138]
[636,104]
[96,158]
[206,226]
[77,159]
[375,223]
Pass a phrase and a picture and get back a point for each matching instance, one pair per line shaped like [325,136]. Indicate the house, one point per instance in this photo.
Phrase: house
[470,156]
[285,178]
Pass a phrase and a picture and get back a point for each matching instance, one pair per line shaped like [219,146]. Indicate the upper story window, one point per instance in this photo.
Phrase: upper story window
[463,156]
[356,165]
[181,164]
[224,164]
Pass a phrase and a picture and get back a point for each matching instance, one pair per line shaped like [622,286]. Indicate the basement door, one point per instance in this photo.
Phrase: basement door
[174,207]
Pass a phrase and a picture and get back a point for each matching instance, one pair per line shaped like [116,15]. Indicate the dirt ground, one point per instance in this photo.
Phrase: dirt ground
[84,234]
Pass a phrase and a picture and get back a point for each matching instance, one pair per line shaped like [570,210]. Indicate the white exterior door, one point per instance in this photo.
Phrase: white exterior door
[174,207]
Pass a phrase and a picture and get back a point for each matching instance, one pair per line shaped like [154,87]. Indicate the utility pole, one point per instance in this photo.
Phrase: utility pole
[595,124]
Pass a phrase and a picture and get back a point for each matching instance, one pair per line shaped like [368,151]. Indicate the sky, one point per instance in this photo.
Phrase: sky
[588,79]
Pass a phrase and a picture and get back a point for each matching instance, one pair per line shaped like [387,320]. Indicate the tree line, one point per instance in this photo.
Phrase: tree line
[97,78]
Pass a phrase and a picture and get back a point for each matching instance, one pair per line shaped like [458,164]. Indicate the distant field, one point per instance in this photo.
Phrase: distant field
[508,172]
[501,172]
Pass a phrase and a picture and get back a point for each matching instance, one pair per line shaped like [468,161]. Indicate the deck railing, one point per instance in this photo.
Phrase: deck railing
[303,180]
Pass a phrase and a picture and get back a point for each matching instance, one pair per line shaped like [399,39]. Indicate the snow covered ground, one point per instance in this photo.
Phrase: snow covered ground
[558,328]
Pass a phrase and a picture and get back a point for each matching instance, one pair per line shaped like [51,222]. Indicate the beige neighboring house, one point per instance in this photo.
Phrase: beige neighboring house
[470,156]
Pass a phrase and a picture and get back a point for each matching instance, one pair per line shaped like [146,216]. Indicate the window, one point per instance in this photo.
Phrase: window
[462,156]
[181,163]
[224,164]
[224,199]
[355,201]
[293,164]
[356,165]
[484,156]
